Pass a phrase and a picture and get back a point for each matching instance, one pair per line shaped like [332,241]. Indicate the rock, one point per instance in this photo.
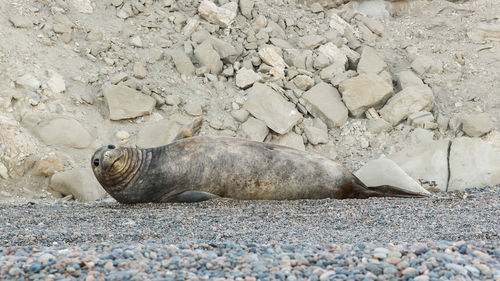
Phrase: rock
[246,78]
[280,43]
[81,183]
[83,6]
[410,100]
[269,106]
[323,101]
[385,172]
[292,140]
[194,107]
[339,24]
[311,41]
[370,62]
[316,7]
[159,133]
[374,25]
[47,166]
[476,125]
[336,55]
[378,126]
[240,115]
[140,71]
[366,34]
[321,61]
[427,162]
[56,82]
[364,91]
[118,77]
[124,102]
[255,129]
[420,135]
[303,82]
[19,21]
[424,64]
[422,119]
[136,41]
[226,51]
[16,143]
[316,135]
[182,63]
[474,163]
[222,16]
[4,173]
[28,81]
[485,31]
[408,78]
[352,56]
[246,7]
[64,131]
[123,137]
[191,25]
[271,57]
[208,57]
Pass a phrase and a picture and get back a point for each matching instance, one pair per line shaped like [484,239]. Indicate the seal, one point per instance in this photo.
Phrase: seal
[196,168]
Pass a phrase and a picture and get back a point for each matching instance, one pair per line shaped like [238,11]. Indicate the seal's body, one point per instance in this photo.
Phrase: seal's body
[199,168]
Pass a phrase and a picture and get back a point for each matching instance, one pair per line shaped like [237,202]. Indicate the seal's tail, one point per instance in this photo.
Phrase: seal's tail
[392,191]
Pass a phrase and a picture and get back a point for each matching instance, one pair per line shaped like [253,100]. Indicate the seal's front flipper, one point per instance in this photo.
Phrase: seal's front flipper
[392,191]
[189,130]
[191,197]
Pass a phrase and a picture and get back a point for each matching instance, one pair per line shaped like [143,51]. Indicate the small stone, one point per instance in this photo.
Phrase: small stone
[19,21]
[378,126]
[47,166]
[56,82]
[81,183]
[140,71]
[364,91]
[408,78]
[424,65]
[485,31]
[246,7]
[321,61]
[316,135]
[366,33]
[136,41]
[410,100]
[182,63]
[271,57]
[245,78]
[124,102]
[208,57]
[240,115]
[409,271]
[269,106]
[194,107]
[476,125]
[222,16]
[173,100]
[370,62]
[316,7]
[118,77]
[422,119]
[83,6]
[421,278]
[123,137]
[28,81]
[311,41]
[374,25]
[339,24]
[255,129]
[385,172]
[457,268]
[190,27]
[303,82]
[323,101]
[4,173]
[336,55]
[290,139]
[227,52]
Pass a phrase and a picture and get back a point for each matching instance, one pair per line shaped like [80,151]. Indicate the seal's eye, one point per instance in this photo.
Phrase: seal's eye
[110,146]
[96,162]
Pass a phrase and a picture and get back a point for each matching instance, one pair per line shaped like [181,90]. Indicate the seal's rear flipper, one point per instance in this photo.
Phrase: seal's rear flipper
[392,191]
[356,189]
[191,197]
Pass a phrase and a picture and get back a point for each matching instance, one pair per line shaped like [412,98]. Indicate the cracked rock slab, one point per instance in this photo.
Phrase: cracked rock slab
[323,101]
[269,106]
[473,163]
[124,102]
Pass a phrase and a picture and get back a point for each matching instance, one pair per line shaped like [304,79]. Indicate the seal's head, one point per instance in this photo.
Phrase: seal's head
[114,167]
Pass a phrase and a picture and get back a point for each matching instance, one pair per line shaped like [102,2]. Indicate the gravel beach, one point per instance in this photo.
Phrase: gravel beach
[447,236]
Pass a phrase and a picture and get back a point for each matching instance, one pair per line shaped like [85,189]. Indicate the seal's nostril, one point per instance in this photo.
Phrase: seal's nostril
[96,162]
[110,146]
